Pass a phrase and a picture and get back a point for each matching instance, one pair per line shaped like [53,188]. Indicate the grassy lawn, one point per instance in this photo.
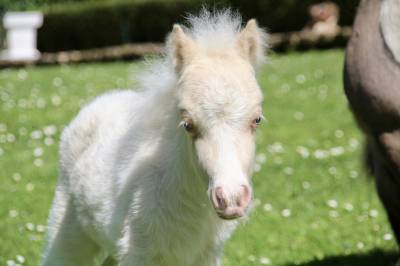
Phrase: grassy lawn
[315,205]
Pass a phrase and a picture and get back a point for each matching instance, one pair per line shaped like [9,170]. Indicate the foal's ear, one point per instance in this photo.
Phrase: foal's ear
[252,43]
[181,48]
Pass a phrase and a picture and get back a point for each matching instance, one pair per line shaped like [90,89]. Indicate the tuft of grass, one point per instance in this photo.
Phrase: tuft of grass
[314,205]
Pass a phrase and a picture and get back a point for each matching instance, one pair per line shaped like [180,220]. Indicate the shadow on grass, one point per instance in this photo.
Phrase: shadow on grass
[373,258]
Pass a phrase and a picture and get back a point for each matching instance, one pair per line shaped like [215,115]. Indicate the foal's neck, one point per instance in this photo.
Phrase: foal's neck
[185,178]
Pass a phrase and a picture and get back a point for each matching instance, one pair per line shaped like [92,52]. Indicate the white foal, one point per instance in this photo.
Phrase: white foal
[157,175]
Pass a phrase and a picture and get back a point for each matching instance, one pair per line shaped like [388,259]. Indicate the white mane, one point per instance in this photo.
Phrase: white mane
[214,31]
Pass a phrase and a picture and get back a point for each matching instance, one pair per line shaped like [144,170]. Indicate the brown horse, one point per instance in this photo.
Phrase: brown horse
[372,86]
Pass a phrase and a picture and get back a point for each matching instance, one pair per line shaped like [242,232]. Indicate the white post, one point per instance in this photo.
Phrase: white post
[21,35]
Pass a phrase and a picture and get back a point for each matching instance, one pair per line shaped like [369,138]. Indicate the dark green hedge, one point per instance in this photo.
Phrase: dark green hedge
[105,24]
[22,5]
[289,15]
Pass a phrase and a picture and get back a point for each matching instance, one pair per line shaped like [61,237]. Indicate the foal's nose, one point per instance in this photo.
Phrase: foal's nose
[231,206]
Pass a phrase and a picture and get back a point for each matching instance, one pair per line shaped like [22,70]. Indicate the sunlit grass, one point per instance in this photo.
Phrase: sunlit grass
[315,206]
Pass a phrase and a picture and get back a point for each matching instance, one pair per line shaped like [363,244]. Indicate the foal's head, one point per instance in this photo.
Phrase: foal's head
[220,104]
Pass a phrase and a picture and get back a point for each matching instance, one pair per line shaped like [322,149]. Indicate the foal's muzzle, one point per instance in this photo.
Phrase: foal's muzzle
[231,205]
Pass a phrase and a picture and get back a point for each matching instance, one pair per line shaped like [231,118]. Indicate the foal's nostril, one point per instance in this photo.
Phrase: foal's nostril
[245,197]
[220,199]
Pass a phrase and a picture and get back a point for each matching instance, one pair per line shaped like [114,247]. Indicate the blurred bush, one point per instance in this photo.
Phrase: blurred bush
[109,24]
[103,23]
[22,5]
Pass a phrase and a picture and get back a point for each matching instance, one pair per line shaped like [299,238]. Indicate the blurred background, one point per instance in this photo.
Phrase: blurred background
[315,205]
[87,24]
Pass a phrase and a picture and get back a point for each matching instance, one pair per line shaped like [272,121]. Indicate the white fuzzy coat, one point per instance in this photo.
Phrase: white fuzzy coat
[131,188]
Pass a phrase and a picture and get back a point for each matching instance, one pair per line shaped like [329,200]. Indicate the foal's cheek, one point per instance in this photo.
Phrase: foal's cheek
[247,149]
[205,155]
[250,166]
[252,157]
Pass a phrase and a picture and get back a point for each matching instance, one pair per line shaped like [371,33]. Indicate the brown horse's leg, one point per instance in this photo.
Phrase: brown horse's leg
[389,194]
[386,156]
[369,157]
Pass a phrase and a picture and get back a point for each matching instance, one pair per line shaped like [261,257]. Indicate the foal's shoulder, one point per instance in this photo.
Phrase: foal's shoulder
[104,109]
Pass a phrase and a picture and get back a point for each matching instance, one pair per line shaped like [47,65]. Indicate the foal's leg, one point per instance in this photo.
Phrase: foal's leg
[109,261]
[67,243]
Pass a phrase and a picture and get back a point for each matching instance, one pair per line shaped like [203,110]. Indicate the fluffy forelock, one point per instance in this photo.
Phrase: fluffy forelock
[214,29]
[217,30]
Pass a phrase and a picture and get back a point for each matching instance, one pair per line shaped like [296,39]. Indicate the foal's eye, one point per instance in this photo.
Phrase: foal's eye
[256,122]
[188,126]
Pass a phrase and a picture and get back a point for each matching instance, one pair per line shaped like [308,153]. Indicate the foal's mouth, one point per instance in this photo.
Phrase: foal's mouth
[231,215]
[228,217]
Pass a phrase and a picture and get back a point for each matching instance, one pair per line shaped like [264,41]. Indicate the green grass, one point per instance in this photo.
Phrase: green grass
[315,205]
